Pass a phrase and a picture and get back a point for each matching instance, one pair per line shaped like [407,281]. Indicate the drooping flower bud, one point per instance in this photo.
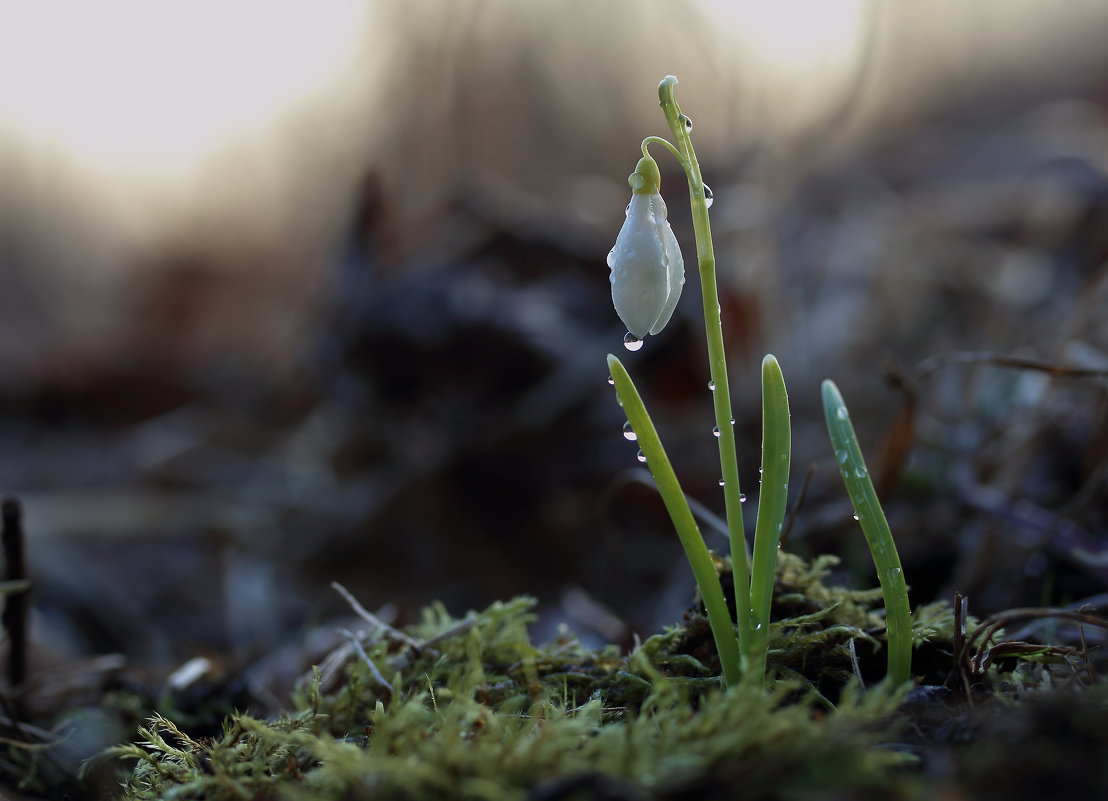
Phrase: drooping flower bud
[648,270]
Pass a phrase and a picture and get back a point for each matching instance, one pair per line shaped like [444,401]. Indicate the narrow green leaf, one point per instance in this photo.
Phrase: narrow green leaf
[772,498]
[868,511]
[704,570]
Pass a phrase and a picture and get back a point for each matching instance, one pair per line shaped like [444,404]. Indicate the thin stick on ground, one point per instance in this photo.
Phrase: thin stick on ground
[375,621]
[15,608]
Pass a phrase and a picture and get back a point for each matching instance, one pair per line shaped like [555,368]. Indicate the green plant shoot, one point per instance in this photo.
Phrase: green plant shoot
[647,276]
[773,494]
[704,569]
[869,514]
[699,196]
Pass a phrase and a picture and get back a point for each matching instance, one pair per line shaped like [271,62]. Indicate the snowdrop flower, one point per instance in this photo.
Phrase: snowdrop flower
[648,270]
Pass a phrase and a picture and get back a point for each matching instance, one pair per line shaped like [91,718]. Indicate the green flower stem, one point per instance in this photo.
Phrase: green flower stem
[657,140]
[772,498]
[717,360]
[704,570]
[867,508]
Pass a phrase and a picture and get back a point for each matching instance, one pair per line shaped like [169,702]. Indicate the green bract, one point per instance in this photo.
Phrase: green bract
[648,270]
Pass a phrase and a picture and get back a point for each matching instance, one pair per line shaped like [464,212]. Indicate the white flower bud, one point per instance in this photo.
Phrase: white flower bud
[648,270]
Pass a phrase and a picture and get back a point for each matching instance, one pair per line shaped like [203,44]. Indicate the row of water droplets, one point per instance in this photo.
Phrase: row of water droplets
[709,196]
[842,456]
[630,435]
[716,433]
[628,432]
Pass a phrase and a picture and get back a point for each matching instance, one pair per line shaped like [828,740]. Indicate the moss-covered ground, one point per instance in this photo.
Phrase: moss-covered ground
[472,708]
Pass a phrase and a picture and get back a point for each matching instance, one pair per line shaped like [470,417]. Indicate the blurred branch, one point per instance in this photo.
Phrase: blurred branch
[935,363]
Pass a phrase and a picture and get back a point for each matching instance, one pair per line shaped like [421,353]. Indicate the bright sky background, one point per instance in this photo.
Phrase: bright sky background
[793,35]
[152,86]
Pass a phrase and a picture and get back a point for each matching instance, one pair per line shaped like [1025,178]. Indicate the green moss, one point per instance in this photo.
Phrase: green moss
[471,708]
[424,748]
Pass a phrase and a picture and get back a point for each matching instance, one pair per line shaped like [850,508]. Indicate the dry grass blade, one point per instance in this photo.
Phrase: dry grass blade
[935,363]
[355,641]
[375,621]
[985,651]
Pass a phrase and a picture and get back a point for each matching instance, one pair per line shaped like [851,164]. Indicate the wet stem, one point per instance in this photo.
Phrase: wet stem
[717,363]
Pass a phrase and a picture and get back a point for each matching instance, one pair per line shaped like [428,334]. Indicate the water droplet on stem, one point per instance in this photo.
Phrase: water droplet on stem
[628,432]
[709,196]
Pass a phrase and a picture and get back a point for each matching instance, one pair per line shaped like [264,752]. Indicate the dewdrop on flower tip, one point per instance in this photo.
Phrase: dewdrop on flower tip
[648,270]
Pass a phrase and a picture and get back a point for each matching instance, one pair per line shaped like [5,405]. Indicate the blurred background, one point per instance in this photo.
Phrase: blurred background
[300,293]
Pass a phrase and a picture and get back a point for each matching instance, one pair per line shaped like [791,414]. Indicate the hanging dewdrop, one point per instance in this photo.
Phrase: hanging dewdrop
[648,270]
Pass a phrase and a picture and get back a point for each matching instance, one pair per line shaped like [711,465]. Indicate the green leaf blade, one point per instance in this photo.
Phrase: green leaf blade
[772,500]
[871,517]
[696,552]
